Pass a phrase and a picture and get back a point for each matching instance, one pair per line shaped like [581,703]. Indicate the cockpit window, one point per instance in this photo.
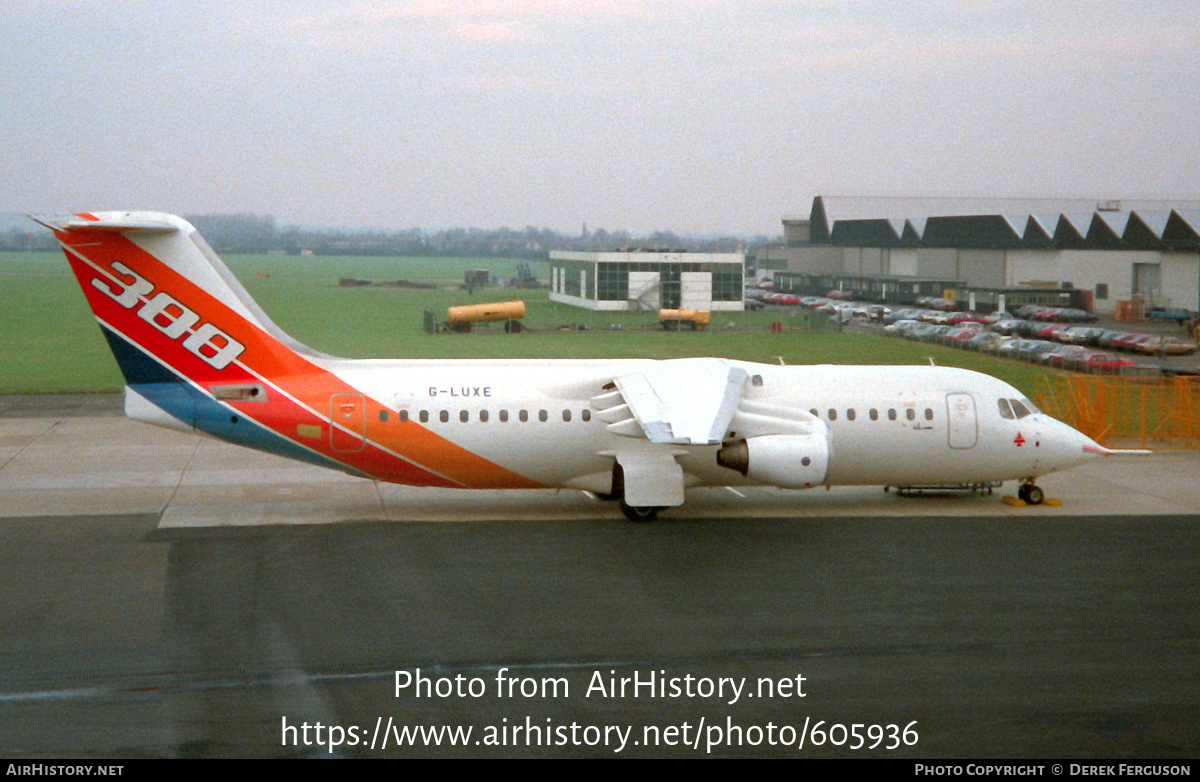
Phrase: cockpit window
[1019,409]
[1005,411]
[1030,405]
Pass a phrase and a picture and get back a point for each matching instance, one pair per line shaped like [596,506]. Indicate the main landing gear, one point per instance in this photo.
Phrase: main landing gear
[641,515]
[1031,493]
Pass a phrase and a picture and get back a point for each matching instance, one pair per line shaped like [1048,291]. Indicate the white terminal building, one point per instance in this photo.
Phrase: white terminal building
[647,280]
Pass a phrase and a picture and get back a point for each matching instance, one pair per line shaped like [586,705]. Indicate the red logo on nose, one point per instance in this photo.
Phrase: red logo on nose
[1020,440]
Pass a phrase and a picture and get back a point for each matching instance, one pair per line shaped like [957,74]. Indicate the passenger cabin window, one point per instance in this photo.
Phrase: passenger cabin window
[586,415]
[566,416]
[483,416]
[928,414]
[911,414]
[383,416]
[874,414]
[543,416]
[832,414]
[1005,411]
[892,414]
[464,416]
[403,416]
[424,416]
[523,415]
[444,416]
[850,414]
[503,416]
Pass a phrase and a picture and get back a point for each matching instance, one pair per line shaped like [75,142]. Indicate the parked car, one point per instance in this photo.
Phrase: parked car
[1064,356]
[1166,346]
[1035,348]
[900,327]
[1079,335]
[1105,363]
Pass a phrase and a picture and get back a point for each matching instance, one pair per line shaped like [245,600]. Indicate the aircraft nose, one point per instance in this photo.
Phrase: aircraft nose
[1068,447]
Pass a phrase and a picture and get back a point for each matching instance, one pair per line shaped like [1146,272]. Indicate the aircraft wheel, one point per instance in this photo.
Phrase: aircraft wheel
[640,515]
[1031,493]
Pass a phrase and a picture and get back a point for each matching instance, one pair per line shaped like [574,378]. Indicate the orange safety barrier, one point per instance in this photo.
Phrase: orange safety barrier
[1150,412]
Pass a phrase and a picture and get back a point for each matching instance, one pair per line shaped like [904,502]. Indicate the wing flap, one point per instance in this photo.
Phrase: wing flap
[687,401]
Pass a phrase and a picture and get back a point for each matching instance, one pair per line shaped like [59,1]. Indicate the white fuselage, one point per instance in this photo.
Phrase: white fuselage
[887,425]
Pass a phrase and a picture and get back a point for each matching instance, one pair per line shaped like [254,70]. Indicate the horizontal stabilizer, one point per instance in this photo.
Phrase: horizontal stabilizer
[118,222]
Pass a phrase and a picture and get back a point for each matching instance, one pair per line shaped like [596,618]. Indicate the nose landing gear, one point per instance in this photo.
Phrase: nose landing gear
[1031,493]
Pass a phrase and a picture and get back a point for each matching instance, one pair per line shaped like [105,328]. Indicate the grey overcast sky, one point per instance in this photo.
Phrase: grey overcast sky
[699,116]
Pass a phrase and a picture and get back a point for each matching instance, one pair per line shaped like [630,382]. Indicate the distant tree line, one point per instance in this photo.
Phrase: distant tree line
[248,233]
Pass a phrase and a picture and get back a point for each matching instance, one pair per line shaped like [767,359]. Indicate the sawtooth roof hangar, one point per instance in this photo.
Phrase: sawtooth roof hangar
[1116,250]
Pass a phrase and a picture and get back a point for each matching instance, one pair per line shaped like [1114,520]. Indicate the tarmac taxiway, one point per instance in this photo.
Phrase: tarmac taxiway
[167,595]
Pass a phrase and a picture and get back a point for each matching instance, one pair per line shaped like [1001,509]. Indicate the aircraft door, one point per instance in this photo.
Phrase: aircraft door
[963,425]
[348,419]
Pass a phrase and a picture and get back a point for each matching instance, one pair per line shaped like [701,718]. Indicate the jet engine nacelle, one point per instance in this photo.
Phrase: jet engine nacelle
[790,461]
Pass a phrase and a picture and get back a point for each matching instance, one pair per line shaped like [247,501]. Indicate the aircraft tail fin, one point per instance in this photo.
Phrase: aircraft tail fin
[156,267]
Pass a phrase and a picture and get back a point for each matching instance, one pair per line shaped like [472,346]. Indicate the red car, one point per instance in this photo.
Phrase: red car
[1105,363]
[1047,332]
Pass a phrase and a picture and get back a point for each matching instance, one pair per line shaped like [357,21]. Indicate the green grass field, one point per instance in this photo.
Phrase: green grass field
[49,342]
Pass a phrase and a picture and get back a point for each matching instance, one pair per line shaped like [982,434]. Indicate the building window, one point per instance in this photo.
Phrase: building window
[727,283]
[1102,291]
[612,282]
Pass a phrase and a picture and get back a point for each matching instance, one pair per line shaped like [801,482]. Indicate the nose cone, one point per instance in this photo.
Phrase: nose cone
[1064,447]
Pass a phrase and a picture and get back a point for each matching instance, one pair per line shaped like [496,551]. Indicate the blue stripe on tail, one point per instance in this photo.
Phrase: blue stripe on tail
[180,399]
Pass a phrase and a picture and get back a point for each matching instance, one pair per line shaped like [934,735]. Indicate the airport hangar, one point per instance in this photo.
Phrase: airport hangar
[1103,253]
[651,280]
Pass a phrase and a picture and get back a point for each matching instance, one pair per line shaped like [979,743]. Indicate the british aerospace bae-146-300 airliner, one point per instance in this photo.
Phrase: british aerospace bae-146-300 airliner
[198,354]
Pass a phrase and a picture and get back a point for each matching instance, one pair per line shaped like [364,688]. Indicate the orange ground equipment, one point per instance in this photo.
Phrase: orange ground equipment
[695,319]
[511,312]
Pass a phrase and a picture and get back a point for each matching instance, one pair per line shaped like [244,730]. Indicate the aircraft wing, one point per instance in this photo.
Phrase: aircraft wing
[685,401]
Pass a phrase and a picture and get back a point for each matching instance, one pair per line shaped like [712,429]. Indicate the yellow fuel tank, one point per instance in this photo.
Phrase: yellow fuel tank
[698,318]
[474,313]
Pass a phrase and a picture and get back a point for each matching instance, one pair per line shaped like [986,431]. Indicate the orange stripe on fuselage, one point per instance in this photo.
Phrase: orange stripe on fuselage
[312,386]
